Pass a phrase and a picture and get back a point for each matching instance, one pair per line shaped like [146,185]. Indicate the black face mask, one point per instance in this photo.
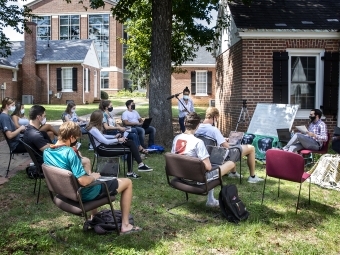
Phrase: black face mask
[110,109]
[312,118]
[74,143]
[133,107]
[213,122]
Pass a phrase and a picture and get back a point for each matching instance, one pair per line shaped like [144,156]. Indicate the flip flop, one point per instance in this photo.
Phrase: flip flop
[144,151]
[132,230]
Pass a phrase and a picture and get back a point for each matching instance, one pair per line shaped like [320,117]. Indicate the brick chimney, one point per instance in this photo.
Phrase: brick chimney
[29,78]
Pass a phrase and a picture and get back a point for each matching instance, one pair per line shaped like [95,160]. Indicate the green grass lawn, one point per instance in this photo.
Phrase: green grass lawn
[272,228]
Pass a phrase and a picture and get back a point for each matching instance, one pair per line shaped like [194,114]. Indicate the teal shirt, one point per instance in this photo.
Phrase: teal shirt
[64,157]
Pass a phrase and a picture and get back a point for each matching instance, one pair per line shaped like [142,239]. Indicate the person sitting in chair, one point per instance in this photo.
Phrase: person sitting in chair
[208,128]
[63,156]
[39,140]
[189,145]
[313,139]
[132,118]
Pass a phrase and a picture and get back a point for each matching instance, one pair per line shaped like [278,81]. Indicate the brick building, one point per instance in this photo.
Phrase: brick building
[279,52]
[199,78]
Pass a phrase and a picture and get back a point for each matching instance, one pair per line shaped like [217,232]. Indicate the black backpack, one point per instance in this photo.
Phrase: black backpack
[231,205]
[33,173]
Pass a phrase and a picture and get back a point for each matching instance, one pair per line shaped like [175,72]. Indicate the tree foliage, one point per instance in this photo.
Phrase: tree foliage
[11,15]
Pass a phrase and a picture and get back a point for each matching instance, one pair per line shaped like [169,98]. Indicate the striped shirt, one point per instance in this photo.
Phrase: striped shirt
[320,129]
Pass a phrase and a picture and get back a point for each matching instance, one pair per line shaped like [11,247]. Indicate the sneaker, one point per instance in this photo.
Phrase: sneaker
[133,175]
[234,175]
[142,156]
[214,203]
[144,168]
[255,179]
[90,147]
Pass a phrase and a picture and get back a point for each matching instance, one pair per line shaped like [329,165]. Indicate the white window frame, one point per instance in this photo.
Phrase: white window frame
[87,80]
[319,75]
[206,82]
[62,79]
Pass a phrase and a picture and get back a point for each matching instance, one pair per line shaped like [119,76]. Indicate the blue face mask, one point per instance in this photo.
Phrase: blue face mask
[185,97]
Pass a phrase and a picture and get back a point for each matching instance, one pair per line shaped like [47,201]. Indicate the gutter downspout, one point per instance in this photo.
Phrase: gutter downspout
[48,83]
[83,83]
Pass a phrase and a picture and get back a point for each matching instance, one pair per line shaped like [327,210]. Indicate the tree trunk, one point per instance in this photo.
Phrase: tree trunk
[160,77]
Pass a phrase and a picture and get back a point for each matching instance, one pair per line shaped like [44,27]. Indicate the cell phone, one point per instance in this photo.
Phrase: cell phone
[78,146]
[126,133]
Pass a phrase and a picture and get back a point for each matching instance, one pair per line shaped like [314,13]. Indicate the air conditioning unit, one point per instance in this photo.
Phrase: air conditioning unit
[212,102]
[27,99]
[58,95]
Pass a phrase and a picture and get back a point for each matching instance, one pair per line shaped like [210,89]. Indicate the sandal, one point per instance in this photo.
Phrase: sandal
[132,230]
[144,151]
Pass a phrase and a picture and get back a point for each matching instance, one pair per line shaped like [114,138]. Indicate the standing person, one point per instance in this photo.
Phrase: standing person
[7,125]
[189,145]
[313,139]
[132,118]
[208,128]
[189,106]
[63,156]
[111,145]
[18,116]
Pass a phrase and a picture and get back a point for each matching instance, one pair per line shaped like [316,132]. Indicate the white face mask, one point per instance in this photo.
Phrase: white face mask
[22,111]
[73,110]
[43,121]
[185,97]
[12,108]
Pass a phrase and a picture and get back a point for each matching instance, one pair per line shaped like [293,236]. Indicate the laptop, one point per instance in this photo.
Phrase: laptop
[283,134]
[235,138]
[217,154]
[146,123]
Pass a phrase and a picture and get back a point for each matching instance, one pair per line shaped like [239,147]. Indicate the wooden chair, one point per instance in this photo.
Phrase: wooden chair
[286,166]
[65,193]
[188,174]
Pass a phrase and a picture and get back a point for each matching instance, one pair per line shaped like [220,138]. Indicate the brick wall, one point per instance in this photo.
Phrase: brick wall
[245,72]
[11,86]
[181,80]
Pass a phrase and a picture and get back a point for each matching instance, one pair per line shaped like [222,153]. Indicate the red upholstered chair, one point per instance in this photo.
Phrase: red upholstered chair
[309,154]
[286,166]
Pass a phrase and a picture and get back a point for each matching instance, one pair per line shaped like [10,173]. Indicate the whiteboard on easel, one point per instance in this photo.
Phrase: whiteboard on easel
[269,117]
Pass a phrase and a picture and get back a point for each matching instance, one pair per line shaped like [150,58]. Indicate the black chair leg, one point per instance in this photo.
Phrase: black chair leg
[9,164]
[39,190]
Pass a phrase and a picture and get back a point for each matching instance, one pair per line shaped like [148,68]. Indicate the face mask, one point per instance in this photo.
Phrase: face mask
[43,121]
[312,118]
[110,109]
[74,143]
[185,97]
[22,111]
[73,110]
[133,107]
[12,108]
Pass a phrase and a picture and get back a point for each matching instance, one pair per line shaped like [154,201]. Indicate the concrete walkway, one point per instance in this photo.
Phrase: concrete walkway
[21,161]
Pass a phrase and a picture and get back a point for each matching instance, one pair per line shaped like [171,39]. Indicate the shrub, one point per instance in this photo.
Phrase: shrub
[104,95]
[128,93]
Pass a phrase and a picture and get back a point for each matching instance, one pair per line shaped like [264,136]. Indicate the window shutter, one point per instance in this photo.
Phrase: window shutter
[209,85]
[280,77]
[193,83]
[59,86]
[74,78]
[331,83]
[89,79]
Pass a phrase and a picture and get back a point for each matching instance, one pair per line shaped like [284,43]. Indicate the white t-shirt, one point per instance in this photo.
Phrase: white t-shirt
[189,145]
[209,130]
[132,116]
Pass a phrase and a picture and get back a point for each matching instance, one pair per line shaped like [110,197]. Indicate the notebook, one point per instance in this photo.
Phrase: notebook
[217,154]
[146,123]
[283,134]
[235,137]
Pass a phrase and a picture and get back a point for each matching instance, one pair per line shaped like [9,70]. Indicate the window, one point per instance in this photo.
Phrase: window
[201,83]
[69,27]
[99,32]
[104,80]
[43,27]
[67,79]
[14,75]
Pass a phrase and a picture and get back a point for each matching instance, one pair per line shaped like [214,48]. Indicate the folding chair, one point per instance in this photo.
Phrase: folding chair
[34,156]
[11,152]
[286,166]
[179,169]
[323,150]
[65,193]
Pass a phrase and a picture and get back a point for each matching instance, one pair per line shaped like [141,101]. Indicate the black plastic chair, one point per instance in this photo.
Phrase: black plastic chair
[34,156]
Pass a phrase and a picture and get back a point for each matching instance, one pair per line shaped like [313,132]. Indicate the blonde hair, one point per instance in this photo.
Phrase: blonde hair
[96,120]
[212,112]
[68,129]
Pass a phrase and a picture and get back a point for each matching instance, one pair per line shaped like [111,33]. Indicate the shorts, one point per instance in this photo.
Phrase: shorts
[112,186]
[235,153]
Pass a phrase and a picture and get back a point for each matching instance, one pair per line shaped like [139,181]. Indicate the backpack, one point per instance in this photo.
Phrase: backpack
[103,223]
[156,148]
[32,172]
[231,205]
